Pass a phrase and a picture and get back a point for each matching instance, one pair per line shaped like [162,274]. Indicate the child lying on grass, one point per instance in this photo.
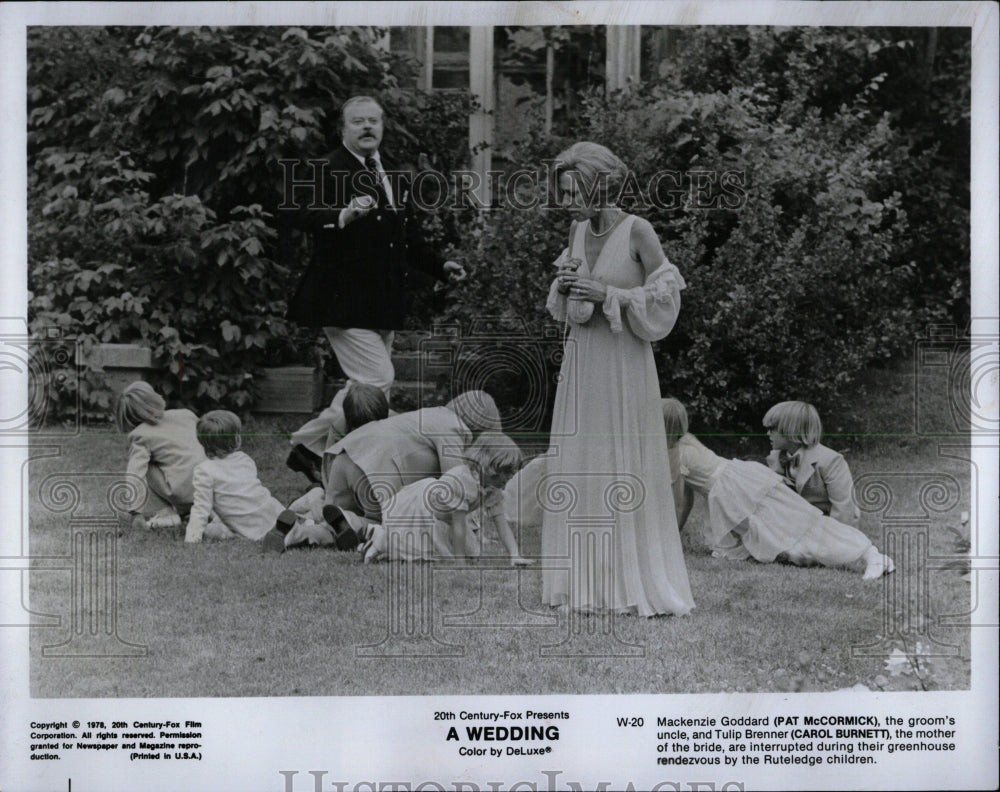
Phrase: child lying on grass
[752,513]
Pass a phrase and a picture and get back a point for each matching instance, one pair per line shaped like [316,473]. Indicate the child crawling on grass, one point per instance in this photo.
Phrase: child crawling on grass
[752,513]
[229,499]
[435,519]
[432,518]
[374,462]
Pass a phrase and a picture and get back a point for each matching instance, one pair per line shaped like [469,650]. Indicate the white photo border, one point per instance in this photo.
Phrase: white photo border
[246,743]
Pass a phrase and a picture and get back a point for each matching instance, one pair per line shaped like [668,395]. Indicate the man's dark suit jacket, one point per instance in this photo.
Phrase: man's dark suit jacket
[357,276]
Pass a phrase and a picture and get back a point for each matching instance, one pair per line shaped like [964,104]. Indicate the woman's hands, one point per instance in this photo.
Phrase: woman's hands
[585,289]
[565,272]
[577,287]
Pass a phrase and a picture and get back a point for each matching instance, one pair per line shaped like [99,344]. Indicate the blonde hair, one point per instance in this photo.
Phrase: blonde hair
[597,166]
[364,403]
[797,420]
[138,404]
[495,453]
[477,410]
[675,418]
[219,433]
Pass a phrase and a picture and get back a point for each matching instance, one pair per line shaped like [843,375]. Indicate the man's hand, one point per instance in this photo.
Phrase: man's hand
[359,206]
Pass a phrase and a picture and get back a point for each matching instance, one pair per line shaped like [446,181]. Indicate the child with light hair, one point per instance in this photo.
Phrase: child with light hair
[163,451]
[374,462]
[752,513]
[817,473]
[437,519]
[229,499]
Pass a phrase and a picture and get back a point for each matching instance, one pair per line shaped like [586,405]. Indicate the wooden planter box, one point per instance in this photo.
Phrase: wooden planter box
[122,364]
[291,389]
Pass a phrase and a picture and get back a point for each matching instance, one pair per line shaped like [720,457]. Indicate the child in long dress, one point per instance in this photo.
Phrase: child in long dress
[435,519]
[229,499]
[819,474]
[163,451]
[752,512]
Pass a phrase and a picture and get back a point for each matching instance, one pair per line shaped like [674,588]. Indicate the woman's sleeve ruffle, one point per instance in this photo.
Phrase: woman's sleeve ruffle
[651,309]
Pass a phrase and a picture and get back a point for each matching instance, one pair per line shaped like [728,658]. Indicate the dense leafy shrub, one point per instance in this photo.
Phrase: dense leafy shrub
[795,290]
[919,77]
[809,276]
[153,177]
[112,265]
[508,250]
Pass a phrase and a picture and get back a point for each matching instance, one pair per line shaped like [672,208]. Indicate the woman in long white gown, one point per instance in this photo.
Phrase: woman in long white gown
[609,530]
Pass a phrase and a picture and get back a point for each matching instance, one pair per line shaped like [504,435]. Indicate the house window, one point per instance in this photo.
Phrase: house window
[450,59]
[540,75]
[408,45]
[431,58]
[526,79]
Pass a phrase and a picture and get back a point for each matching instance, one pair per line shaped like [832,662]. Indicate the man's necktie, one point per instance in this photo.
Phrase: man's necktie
[372,165]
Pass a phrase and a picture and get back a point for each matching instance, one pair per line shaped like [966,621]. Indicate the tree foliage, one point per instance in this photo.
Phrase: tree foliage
[154,173]
[831,257]
[917,78]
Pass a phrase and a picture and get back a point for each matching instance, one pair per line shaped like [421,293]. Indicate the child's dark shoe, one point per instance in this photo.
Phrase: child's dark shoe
[274,541]
[345,537]
[285,522]
[302,460]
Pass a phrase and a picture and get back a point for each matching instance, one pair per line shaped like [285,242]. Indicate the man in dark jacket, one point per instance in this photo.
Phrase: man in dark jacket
[354,288]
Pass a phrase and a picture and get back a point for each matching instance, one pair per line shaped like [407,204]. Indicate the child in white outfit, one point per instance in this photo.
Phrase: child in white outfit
[437,519]
[229,499]
[752,513]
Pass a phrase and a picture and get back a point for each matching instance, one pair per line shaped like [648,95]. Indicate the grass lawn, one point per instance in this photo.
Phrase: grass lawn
[226,619]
